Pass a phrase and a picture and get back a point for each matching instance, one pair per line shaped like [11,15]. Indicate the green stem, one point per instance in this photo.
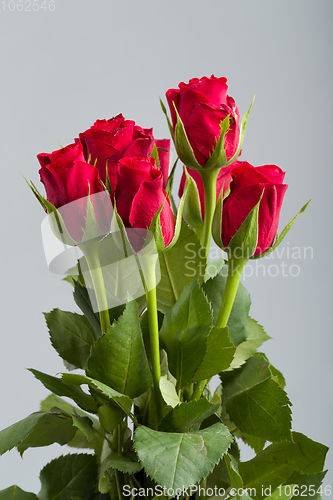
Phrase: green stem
[198,390]
[209,178]
[236,267]
[90,251]
[150,278]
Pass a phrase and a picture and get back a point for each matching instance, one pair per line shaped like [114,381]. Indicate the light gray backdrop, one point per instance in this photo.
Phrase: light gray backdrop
[62,70]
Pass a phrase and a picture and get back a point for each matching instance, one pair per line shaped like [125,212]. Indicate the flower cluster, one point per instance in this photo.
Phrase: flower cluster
[151,336]
[116,153]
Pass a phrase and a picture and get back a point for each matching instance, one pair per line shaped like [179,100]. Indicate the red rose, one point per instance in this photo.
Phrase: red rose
[67,177]
[107,141]
[248,185]
[140,194]
[223,179]
[202,105]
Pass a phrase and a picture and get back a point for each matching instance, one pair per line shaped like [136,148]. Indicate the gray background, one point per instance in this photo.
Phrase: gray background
[62,70]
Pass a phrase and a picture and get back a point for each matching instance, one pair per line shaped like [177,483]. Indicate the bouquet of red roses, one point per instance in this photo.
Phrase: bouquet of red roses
[159,319]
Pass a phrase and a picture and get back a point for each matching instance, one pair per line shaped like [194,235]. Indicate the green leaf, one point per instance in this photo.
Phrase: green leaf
[256,443]
[276,463]
[177,460]
[238,322]
[82,300]
[53,384]
[16,433]
[50,428]
[70,476]
[256,337]
[168,391]
[118,358]
[219,352]
[85,425]
[233,471]
[71,335]
[122,463]
[282,493]
[179,265]
[214,267]
[123,401]
[308,485]
[15,493]
[184,332]
[188,416]
[110,415]
[82,434]
[255,402]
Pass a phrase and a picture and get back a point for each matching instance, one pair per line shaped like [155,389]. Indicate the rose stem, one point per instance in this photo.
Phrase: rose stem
[236,267]
[150,279]
[209,178]
[90,251]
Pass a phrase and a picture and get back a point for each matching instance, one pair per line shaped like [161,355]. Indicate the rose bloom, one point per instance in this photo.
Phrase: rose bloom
[68,178]
[246,188]
[140,194]
[202,104]
[107,141]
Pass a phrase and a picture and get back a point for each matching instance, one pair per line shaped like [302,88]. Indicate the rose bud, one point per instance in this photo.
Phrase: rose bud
[107,141]
[140,195]
[202,105]
[68,178]
[250,214]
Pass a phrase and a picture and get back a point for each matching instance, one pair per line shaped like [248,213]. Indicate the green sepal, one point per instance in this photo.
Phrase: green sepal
[156,228]
[179,218]
[218,158]
[170,180]
[278,239]
[241,134]
[154,154]
[217,221]
[192,206]
[57,224]
[168,119]
[244,242]
[182,145]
